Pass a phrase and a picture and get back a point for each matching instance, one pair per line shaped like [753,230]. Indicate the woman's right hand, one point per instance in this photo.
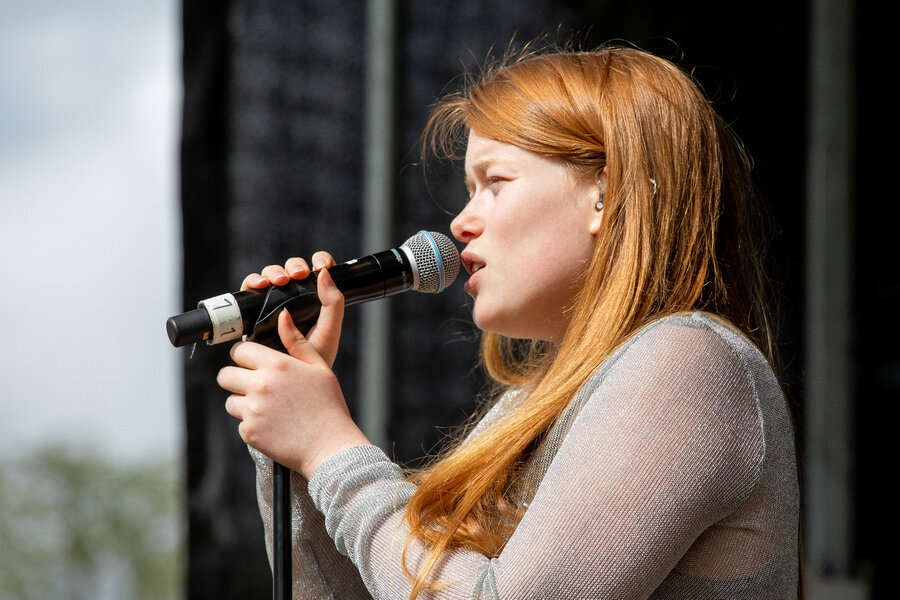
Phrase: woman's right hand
[290,406]
[326,333]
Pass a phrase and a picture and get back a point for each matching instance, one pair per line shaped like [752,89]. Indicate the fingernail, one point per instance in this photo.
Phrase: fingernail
[318,263]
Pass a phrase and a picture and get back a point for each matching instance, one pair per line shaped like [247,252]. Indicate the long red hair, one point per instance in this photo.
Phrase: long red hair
[675,238]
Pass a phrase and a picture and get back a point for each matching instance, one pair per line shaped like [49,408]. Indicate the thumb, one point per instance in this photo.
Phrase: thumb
[326,333]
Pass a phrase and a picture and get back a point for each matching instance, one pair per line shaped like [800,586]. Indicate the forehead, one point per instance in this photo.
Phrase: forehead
[480,148]
[482,152]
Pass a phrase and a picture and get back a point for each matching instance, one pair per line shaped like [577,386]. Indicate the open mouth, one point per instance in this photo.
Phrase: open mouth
[472,263]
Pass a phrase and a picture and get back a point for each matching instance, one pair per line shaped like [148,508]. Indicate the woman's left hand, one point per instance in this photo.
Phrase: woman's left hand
[290,406]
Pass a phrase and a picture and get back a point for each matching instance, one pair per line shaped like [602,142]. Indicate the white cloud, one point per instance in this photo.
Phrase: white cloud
[88,216]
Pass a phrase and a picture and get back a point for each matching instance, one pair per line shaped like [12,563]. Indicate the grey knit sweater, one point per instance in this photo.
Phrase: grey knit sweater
[671,475]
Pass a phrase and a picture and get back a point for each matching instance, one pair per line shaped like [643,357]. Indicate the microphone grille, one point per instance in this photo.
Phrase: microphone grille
[436,260]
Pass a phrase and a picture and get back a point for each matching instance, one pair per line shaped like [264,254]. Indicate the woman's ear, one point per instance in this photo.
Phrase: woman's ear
[598,199]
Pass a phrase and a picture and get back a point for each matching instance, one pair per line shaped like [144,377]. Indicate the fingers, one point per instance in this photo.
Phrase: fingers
[291,337]
[294,268]
[276,274]
[251,355]
[322,260]
[234,406]
[295,343]
[326,334]
[254,281]
[233,379]
[273,274]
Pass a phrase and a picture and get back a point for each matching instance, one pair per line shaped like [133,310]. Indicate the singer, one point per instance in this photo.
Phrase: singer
[639,444]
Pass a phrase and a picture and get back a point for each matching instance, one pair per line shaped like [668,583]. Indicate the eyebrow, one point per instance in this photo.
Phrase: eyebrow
[481,165]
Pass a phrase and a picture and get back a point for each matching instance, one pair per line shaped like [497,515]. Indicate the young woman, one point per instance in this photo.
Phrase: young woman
[640,445]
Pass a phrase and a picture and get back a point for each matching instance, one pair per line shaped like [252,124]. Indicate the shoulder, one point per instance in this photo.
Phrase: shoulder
[691,345]
[689,378]
[696,331]
[694,360]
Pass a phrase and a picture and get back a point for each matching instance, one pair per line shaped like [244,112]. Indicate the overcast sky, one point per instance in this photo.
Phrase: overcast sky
[89,236]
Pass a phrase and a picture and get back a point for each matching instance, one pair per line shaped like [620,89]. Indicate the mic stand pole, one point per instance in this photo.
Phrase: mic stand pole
[281,532]
[265,333]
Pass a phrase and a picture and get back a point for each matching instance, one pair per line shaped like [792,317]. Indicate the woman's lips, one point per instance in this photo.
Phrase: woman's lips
[471,281]
[473,264]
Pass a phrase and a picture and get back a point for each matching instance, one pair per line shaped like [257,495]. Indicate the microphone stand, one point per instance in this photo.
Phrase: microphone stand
[281,532]
[265,332]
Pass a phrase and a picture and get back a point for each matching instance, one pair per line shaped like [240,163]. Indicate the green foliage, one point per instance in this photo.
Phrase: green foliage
[75,524]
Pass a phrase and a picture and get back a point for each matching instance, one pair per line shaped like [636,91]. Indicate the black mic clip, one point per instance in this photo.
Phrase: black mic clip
[299,297]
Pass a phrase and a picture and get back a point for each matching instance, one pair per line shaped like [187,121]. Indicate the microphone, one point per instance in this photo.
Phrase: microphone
[427,262]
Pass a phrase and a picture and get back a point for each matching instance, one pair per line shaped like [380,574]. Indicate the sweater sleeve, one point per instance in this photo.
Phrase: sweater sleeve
[669,442]
[318,571]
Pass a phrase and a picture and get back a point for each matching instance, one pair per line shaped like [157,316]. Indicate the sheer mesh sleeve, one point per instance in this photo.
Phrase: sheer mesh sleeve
[318,571]
[674,479]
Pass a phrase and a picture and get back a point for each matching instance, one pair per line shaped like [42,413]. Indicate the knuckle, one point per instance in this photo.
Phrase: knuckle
[261,387]
[248,433]
[282,364]
[253,410]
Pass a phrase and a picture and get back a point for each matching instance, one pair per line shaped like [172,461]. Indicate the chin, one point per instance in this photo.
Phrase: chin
[489,323]
[508,329]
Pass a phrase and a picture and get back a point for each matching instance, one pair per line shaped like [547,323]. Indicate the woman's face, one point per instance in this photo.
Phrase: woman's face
[529,229]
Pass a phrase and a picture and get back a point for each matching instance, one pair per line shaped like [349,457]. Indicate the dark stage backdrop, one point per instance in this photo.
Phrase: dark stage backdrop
[272,157]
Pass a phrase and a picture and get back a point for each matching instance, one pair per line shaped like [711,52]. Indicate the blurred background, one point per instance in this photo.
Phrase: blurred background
[91,478]
[154,152]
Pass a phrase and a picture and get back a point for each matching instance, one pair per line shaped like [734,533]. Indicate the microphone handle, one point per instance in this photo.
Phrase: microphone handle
[255,312]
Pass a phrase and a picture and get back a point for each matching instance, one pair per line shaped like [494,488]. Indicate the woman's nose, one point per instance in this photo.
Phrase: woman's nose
[467,225]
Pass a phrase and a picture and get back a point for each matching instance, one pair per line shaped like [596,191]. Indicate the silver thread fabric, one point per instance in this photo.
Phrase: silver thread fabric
[671,475]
